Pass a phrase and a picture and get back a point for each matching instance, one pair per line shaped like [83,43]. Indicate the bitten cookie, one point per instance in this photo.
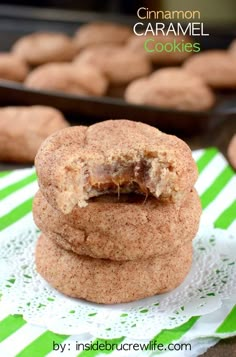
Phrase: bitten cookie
[171,88]
[114,156]
[231,152]
[164,53]
[82,80]
[216,67]
[12,68]
[43,47]
[121,229]
[120,65]
[23,129]
[99,33]
[106,281]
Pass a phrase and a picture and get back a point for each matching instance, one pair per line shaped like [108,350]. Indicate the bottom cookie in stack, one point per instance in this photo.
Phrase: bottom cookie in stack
[115,251]
[109,282]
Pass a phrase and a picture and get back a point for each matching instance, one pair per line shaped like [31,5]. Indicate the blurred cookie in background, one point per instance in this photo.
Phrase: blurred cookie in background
[81,79]
[171,88]
[23,129]
[44,47]
[100,33]
[231,151]
[12,68]
[232,48]
[119,64]
[161,50]
[216,67]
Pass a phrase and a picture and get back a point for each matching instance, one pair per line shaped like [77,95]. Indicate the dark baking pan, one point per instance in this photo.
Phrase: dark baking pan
[84,110]
[18,21]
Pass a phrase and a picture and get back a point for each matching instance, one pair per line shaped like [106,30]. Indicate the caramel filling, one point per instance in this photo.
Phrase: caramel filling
[119,178]
[84,181]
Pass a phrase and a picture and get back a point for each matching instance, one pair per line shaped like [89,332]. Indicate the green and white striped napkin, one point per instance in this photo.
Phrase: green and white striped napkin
[217,188]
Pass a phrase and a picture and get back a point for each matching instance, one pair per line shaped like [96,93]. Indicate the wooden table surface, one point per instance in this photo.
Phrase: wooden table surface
[218,137]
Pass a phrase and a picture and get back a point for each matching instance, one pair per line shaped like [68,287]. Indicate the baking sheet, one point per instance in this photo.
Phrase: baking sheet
[18,21]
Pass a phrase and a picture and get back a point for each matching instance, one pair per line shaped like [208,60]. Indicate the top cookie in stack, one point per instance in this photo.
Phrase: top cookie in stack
[115,156]
[117,209]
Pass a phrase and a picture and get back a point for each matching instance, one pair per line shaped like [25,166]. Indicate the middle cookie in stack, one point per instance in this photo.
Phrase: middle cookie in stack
[134,239]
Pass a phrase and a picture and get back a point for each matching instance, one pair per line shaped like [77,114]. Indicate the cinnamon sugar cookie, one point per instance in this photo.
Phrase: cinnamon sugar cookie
[12,68]
[232,48]
[110,282]
[23,129]
[82,80]
[171,88]
[123,228]
[114,156]
[216,67]
[99,33]
[120,65]
[44,47]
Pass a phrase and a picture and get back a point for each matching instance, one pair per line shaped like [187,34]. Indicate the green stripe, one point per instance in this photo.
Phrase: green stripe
[229,324]
[4,173]
[212,192]
[102,342]
[16,214]
[227,217]
[9,325]
[204,160]
[167,336]
[17,185]
[42,345]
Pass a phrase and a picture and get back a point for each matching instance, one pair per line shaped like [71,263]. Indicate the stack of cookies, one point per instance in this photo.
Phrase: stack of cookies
[117,210]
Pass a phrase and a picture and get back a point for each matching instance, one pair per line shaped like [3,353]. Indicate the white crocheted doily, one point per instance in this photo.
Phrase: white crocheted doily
[211,280]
